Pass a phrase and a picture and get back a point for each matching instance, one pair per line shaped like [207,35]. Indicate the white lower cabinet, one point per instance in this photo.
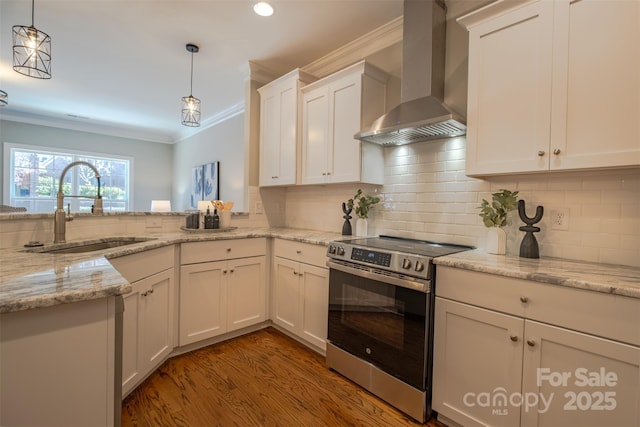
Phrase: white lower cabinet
[300,293]
[220,293]
[474,353]
[512,368]
[148,320]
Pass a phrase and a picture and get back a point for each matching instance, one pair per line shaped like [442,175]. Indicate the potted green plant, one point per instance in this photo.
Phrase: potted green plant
[494,216]
[361,204]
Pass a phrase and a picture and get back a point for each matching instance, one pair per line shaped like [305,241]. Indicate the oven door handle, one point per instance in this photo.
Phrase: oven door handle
[410,283]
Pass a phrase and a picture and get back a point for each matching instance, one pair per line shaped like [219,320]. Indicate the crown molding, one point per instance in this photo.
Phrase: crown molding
[220,117]
[89,127]
[370,43]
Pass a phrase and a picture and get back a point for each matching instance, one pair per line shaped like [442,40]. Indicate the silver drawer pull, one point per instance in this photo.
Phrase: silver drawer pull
[541,153]
[531,343]
[556,151]
[524,299]
[514,338]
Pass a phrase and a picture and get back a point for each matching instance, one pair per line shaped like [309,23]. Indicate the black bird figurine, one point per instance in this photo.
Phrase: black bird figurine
[529,246]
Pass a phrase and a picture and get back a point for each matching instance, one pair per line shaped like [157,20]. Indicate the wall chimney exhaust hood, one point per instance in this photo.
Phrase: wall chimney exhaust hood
[421,115]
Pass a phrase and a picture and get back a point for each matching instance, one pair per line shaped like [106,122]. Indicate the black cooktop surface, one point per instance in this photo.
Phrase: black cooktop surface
[410,246]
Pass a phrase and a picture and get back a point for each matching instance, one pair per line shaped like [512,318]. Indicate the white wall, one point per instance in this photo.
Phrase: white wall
[152,167]
[224,142]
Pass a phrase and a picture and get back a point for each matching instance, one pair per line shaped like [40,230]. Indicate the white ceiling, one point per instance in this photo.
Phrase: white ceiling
[122,66]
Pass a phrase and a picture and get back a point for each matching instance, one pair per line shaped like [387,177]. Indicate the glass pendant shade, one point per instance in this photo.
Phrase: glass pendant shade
[31,50]
[190,111]
[4,98]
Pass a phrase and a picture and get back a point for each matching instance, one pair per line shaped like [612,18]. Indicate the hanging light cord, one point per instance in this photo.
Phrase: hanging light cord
[33,6]
[191,88]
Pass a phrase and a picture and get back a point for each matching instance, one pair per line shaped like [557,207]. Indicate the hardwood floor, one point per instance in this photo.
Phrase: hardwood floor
[261,379]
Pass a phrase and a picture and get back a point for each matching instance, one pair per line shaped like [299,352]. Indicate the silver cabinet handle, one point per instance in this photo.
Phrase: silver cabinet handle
[556,151]
[295,273]
[524,299]
[531,343]
[231,271]
[228,249]
[514,338]
[298,252]
[224,271]
[541,153]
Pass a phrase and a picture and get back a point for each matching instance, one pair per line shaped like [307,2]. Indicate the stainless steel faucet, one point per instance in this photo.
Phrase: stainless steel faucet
[61,218]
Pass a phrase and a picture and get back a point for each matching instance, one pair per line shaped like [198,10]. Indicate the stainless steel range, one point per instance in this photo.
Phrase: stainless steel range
[380,332]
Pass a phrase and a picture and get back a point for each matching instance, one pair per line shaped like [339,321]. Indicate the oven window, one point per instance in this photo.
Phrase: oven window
[377,314]
[381,323]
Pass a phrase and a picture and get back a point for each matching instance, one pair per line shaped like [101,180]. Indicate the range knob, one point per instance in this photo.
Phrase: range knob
[332,249]
[406,264]
[419,265]
[340,250]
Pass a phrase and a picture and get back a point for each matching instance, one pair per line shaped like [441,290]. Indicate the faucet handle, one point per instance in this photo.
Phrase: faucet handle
[69,217]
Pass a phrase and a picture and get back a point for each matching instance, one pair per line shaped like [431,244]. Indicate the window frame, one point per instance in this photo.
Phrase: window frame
[8,171]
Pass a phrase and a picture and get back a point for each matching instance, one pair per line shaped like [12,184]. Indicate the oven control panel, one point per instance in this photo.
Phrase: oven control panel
[371,257]
[412,265]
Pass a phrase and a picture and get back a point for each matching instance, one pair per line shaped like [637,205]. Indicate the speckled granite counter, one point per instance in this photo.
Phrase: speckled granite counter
[612,279]
[32,280]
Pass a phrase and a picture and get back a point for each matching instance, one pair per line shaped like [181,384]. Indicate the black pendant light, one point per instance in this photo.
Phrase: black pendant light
[191,104]
[31,50]
[4,98]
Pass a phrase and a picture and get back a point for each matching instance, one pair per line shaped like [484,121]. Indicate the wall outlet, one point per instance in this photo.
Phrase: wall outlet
[258,207]
[560,219]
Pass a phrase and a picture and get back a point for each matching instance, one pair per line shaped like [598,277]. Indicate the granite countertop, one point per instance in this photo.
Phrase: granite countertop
[31,280]
[606,278]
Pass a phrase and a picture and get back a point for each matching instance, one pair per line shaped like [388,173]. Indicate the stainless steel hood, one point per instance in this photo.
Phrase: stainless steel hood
[421,115]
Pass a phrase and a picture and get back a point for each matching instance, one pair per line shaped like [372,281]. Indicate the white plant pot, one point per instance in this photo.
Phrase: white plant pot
[496,241]
[361,227]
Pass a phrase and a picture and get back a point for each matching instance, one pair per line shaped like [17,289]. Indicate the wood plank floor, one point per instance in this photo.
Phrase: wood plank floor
[260,379]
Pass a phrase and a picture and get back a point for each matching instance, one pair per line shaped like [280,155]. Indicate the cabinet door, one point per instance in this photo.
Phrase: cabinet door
[315,136]
[477,352]
[278,134]
[202,312]
[345,97]
[587,381]
[286,294]
[131,340]
[596,97]
[156,314]
[315,299]
[509,102]
[246,292]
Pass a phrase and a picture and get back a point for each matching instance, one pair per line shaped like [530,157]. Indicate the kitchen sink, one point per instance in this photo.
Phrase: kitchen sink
[89,246]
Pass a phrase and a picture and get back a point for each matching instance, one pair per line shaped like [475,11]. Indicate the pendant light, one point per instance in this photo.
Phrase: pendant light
[191,104]
[4,98]
[31,50]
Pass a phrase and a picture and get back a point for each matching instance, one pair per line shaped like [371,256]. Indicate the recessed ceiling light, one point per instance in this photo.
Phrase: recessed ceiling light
[263,8]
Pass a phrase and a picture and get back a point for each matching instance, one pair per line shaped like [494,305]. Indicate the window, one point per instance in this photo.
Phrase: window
[34,178]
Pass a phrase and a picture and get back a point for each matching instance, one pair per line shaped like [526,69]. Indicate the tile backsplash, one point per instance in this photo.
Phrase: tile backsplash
[428,196]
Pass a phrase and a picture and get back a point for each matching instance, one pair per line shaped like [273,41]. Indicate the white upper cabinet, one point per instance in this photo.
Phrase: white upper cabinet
[549,90]
[279,128]
[333,110]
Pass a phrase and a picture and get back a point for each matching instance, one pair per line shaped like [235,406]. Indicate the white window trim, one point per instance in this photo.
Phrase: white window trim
[7,169]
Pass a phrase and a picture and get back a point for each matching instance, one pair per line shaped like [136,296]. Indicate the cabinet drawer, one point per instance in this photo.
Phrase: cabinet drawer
[301,252]
[144,264]
[610,316]
[480,289]
[196,252]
